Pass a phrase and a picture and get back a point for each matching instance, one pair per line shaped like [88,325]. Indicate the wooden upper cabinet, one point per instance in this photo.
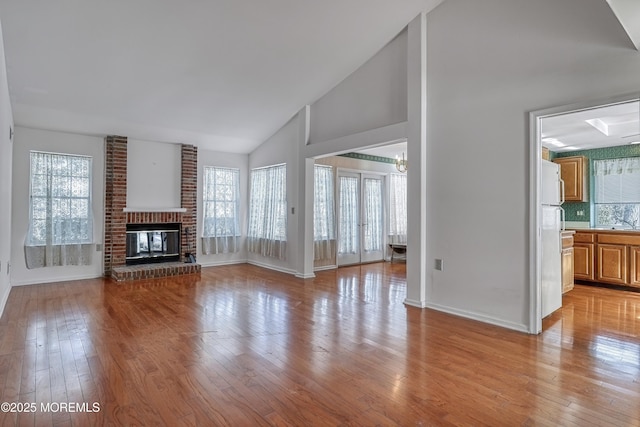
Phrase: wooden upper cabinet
[574,172]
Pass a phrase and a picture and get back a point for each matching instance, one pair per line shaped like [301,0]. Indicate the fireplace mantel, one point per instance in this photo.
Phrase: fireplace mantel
[154,209]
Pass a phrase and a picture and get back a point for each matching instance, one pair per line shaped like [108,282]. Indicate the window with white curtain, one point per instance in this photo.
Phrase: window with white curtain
[324,234]
[267,234]
[60,215]
[398,208]
[617,192]
[221,210]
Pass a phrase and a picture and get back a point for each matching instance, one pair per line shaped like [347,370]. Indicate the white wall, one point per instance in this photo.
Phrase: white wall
[6,148]
[373,96]
[488,64]
[58,142]
[368,108]
[282,147]
[153,175]
[227,160]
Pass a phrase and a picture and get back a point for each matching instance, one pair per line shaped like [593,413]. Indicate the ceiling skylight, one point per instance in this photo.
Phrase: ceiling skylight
[600,125]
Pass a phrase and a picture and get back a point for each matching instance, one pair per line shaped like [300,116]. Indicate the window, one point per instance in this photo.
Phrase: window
[59,210]
[221,209]
[398,208]
[617,192]
[324,234]
[267,233]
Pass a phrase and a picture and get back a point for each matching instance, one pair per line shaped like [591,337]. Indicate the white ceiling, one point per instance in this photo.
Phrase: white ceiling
[222,74]
[612,125]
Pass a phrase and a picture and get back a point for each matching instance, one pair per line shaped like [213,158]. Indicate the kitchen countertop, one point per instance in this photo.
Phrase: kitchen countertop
[604,230]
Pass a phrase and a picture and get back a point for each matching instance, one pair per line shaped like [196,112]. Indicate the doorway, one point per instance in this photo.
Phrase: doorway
[360,217]
[574,130]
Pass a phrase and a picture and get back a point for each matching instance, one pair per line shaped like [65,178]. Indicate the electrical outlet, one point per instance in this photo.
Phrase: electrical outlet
[99,247]
[438,264]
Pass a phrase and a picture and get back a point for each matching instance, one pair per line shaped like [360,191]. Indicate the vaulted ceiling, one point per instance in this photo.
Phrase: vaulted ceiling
[223,74]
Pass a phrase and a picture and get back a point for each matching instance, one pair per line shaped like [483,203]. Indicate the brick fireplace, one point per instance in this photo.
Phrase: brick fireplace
[117,218]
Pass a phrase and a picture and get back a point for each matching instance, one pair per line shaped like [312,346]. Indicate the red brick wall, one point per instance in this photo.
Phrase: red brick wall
[116,220]
[188,196]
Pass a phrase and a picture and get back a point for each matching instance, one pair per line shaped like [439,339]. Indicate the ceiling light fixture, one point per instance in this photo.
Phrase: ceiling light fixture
[401,164]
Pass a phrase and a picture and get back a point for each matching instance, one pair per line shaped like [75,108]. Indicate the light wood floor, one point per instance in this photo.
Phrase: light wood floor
[244,346]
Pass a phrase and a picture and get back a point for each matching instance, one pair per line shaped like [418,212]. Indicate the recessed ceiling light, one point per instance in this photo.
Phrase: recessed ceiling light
[571,147]
[634,142]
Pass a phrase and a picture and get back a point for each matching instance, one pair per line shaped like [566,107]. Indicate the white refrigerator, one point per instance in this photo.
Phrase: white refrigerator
[552,194]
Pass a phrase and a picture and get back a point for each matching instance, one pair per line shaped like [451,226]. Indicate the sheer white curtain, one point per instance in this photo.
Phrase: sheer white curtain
[627,165]
[60,216]
[221,210]
[324,235]
[267,233]
[373,221]
[398,208]
[349,242]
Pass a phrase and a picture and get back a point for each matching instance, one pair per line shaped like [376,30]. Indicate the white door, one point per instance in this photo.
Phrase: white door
[360,218]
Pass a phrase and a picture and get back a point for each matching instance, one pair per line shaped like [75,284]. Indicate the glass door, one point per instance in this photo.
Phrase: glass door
[360,218]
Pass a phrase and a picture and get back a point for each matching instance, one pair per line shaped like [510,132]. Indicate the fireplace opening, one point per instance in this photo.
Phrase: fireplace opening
[150,243]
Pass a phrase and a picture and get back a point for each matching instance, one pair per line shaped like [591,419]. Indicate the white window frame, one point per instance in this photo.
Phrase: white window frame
[209,173]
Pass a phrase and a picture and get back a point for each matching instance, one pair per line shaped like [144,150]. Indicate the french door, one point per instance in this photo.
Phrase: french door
[360,218]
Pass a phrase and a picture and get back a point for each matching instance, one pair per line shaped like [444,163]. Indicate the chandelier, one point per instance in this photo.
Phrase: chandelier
[401,163]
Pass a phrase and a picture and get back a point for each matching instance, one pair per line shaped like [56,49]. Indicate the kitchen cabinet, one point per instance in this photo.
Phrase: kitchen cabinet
[583,254]
[574,171]
[612,264]
[567,261]
[545,153]
[607,256]
[634,266]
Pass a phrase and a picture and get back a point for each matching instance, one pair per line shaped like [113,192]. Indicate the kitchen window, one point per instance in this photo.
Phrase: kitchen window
[617,193]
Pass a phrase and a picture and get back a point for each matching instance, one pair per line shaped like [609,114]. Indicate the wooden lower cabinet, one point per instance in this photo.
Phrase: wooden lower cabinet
[567,269]
[613,264]
[634,266]
[611,256]
[583,261]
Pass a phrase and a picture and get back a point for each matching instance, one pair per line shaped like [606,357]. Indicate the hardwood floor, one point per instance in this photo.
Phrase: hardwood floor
[244,346]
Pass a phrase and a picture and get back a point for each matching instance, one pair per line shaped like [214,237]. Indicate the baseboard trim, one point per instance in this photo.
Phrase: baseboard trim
[54,280]
[305,276]
[220,263]
[272,267]
[480,317]
[325,267]
[415,303]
